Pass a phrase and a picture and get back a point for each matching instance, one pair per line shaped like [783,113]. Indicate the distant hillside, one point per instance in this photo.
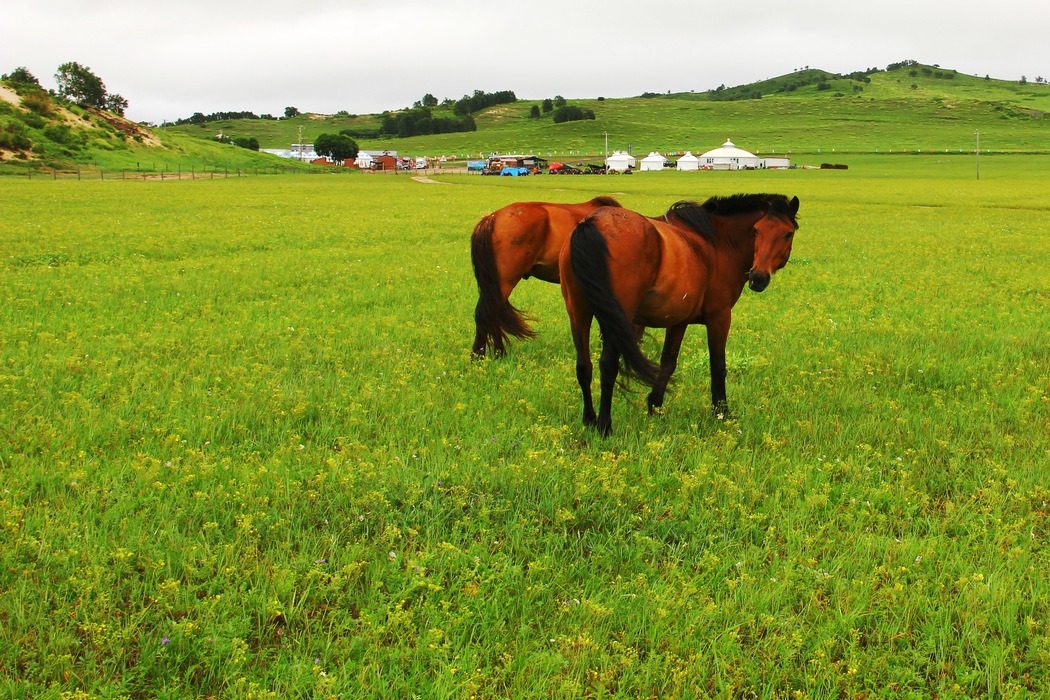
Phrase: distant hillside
[907,107]
[38,129]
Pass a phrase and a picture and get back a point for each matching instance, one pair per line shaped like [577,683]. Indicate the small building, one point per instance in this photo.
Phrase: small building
[363,160]
[688,162]
[653,161]
[729,157]
[621,161]
[385,162]
[776,162]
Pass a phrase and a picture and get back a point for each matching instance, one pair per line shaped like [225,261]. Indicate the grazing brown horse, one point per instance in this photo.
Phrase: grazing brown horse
[688,266]
[519,241]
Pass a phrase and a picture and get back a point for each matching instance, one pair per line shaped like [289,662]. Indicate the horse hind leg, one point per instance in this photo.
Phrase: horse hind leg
[609,369]
[581,340]
[495,321]
[495,318]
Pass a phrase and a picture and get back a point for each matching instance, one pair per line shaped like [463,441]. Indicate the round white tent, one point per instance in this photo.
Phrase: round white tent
[688,162]
[653,161]
[729,157]
[620,161]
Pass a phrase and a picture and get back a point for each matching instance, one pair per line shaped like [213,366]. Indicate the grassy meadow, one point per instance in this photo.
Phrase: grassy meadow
[244,452]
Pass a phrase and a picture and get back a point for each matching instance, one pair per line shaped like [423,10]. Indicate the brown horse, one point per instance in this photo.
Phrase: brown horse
[519,241]
[688,266]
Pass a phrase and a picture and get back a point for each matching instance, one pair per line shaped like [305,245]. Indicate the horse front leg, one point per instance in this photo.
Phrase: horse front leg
[668,364]
[609,368]
[717,334]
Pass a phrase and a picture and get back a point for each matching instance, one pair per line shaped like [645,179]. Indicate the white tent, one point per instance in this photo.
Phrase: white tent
[688,162]
[653,161]
[363,160]
[729,157]
[621,161]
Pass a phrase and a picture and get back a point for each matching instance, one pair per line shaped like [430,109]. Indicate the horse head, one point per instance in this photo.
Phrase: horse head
[774,234]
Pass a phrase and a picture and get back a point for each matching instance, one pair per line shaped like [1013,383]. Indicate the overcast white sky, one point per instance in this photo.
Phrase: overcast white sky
[171,59]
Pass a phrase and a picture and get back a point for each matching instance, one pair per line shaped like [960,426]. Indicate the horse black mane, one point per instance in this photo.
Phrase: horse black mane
[698,216]
[605,201]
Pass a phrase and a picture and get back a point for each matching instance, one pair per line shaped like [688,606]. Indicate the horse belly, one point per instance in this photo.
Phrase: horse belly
[662,310]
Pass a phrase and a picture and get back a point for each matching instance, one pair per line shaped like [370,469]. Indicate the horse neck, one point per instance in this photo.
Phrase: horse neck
[736,242]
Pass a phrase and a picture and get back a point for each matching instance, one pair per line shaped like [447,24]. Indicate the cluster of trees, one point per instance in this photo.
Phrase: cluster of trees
[199,118]
[548,106]
[480,100]
[572,113]
[930,73]
[420,121]
[338,147]
[564,112]
[249,142]
[722,93]
[77,84]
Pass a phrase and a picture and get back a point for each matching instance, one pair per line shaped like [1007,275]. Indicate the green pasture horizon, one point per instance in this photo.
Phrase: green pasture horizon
[245,452]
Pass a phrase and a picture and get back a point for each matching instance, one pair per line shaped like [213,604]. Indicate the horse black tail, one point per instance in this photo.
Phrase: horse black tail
[494,316]
[589,256]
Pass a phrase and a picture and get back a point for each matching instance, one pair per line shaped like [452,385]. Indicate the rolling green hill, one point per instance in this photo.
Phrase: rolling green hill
[906,108]
[40,131]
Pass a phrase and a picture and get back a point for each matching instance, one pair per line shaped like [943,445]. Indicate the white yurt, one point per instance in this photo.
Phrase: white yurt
[688,162]
[653,161]
[729,157]
[621,161]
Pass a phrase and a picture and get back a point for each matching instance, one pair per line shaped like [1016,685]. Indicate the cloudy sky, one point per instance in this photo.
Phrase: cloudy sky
[171,59]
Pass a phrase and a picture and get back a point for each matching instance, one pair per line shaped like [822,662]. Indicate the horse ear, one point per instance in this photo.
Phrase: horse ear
[794,205]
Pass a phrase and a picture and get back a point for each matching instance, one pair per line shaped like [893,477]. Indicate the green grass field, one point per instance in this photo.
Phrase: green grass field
[245,453]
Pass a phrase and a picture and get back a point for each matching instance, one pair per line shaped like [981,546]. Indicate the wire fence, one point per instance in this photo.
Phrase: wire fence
[37,172]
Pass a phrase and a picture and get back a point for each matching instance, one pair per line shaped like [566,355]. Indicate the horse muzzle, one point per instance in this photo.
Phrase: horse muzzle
[758,281]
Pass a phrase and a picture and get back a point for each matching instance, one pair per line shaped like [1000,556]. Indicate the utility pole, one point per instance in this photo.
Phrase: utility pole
[606,161]
[300,143]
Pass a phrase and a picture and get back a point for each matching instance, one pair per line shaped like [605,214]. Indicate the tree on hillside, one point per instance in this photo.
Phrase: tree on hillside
[548,105]
[22,76]
[338,147]
[249,142]
[290,112]
[79,84]
[534,113]
[116,103]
